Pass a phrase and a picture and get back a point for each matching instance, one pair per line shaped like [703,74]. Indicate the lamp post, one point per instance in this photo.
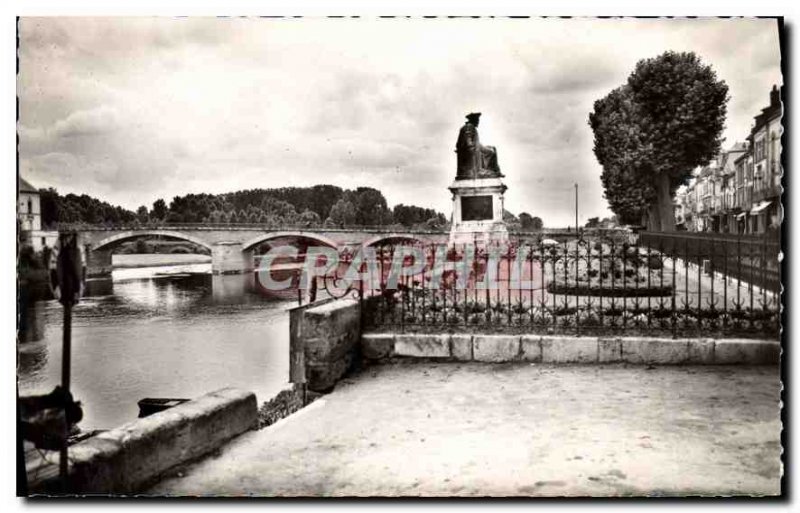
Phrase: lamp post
[67,280]
[576,209]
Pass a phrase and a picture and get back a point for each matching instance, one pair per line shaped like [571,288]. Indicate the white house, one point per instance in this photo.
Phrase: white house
[29,217]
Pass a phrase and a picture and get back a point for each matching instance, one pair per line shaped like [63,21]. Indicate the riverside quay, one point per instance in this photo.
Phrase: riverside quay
[384,257]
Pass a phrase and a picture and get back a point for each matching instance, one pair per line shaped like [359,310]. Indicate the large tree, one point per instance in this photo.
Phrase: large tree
[141,214]
[530,223]
[343,213]
[159,210]
[650,133]
[370,205]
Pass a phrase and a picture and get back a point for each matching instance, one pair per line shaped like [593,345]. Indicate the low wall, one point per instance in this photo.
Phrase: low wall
[325,342]
[123,460]
[551,349]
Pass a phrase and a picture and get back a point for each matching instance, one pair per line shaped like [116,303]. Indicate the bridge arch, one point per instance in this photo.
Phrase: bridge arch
[255,241]
[392,238]
[108,242]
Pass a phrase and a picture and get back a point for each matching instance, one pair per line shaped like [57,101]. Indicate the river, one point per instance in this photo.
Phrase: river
[158,331]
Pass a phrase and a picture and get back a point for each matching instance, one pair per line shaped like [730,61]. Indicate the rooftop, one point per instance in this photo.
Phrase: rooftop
[739,146]
[25,186]
[773,110]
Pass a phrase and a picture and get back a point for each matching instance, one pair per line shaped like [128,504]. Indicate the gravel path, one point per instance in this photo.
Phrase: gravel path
[513,430]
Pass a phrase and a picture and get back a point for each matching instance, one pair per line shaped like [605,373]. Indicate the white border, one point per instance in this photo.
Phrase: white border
[13,8]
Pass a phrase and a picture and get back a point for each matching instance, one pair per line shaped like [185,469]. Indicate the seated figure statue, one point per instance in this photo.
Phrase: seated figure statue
[473,159]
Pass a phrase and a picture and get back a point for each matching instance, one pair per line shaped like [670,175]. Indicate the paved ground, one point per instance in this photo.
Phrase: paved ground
[513,429]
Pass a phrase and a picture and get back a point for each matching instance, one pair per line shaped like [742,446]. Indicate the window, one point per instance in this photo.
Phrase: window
[30,206]
[759,150]
[758,178]
[44,242]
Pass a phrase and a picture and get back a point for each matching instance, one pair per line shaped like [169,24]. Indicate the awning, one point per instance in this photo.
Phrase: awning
[761,206]
[739,216]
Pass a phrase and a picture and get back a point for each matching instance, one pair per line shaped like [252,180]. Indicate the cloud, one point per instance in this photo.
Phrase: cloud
[134,109]
[87,123]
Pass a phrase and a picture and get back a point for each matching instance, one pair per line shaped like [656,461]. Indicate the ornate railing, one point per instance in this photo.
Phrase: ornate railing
[592,286]
[754,259]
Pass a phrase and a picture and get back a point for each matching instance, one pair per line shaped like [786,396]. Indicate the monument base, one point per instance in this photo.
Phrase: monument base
[478,212]
[479,234]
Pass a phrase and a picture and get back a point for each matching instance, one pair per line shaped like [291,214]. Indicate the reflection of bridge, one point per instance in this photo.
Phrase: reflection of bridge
[232,247]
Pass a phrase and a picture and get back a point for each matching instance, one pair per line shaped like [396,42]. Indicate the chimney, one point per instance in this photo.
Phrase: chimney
[774,97]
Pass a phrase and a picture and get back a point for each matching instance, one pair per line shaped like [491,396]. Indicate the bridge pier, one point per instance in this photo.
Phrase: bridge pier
[230,258]
[98,262]
[230,288]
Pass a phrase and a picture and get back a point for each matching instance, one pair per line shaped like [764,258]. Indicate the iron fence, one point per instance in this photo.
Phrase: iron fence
[750,258]
[600,285]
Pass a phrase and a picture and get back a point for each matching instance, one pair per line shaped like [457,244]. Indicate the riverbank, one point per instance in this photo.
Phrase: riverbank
[132,261]
[156,332]
[513,430]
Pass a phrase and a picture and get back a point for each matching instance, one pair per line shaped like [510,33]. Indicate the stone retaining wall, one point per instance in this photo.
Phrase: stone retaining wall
[122,460]
[328,336]
[553,349]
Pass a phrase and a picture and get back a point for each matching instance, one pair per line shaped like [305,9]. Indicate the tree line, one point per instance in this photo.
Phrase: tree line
[73,208]
[317,206]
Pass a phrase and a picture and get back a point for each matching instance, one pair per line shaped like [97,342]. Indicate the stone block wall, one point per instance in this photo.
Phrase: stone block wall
[329,336]
[123,460]
[565,349]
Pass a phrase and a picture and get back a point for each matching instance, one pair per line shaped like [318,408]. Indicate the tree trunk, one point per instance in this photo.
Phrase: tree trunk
[651,219]
[663,209]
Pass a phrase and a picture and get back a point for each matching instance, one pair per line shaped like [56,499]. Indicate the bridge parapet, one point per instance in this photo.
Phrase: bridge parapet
[371,229]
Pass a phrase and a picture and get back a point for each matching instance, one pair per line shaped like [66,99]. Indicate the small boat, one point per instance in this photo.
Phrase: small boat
[151,405]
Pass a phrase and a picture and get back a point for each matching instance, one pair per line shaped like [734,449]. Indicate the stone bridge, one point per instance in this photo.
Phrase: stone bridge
[232,247]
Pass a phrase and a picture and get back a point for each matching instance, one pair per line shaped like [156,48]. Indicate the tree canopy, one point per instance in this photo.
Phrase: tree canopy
[79,209]
[650,133]
[529,223]
[305,206]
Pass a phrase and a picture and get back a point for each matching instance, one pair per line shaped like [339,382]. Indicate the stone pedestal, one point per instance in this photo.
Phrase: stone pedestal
[478,212]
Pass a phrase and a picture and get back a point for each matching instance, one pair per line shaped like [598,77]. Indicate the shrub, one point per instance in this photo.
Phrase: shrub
[654,262]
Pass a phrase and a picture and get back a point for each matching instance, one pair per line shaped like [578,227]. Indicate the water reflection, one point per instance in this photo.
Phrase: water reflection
[173,333]
[99,287]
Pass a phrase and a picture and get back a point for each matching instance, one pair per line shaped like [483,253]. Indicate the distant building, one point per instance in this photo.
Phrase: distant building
[743,199]
[682,209]
[739,191]
[727,201]
[29,218]
[29,211]
[767,170]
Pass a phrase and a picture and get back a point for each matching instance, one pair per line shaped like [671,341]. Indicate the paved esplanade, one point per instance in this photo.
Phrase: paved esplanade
[514,429]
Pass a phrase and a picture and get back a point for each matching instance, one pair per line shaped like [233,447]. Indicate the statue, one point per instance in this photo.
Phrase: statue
[473,159]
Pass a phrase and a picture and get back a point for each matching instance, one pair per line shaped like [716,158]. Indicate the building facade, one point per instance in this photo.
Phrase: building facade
[740,191]
[29,218]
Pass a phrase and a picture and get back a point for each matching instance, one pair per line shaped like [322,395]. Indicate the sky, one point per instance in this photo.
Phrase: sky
[130,110]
